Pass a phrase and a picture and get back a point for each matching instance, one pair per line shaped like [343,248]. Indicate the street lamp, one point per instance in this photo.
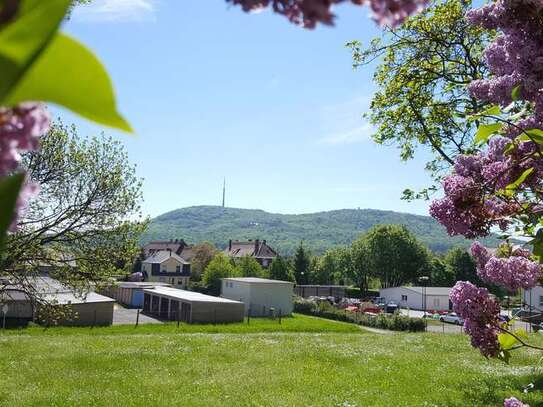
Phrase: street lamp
[423,280]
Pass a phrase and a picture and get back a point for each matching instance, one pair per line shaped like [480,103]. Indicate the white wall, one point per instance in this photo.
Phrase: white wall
[536,296]
[407,298]
[260,297]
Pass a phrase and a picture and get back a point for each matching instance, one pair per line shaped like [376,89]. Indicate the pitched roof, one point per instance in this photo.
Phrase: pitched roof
[254,248]
[175,246]
[163,255]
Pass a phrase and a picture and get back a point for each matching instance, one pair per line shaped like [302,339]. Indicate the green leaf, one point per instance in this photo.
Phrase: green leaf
[22,40]
[69,74]
[535,135]
[506,341]
[514,185]
[515,93]
[9,191]
[493,110]
[485,131]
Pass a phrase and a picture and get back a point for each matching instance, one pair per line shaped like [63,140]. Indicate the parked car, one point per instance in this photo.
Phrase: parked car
[391,307]
[452,318]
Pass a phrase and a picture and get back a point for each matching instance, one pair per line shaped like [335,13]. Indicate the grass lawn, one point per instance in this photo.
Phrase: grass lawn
[123,366]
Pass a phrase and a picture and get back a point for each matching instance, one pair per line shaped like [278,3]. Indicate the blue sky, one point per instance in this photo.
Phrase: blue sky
[213,92]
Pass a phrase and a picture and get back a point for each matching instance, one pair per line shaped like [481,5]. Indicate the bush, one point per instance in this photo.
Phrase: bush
[395,322]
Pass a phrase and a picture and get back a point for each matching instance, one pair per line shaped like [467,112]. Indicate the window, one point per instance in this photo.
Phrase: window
[178,269]
[404,297]
[179,282]
[541,300]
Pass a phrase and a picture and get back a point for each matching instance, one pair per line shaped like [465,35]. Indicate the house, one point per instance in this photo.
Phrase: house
[165,266]
[261,296]
[258,249]
[189,306]
[177,246]
[88,309]
[430,298]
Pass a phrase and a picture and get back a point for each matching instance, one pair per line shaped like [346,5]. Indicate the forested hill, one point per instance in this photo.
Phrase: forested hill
[319,231]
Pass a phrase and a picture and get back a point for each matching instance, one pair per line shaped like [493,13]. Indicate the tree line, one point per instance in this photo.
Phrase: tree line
[385,256]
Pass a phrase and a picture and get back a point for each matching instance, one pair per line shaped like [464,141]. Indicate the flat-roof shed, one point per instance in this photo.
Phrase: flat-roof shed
[130,293]
[189,306]
[261,296]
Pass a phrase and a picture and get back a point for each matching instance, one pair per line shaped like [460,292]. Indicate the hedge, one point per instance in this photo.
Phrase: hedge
[394,322]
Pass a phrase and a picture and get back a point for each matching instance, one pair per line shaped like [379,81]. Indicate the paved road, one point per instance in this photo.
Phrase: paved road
[436,326]
[127,316]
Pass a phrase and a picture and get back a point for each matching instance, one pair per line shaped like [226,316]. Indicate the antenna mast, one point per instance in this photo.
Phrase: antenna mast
[223,191]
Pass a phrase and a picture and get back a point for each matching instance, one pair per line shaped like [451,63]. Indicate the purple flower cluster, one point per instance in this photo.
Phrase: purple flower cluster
[514,402]
[311,12]
[469,208]
[480,314]
[20,130]
[516,55]
[513,272]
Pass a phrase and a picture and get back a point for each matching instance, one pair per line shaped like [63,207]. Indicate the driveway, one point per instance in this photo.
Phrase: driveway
[127,316]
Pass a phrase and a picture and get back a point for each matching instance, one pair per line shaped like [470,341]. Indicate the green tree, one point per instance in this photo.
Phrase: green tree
[326,269]
[461,265]
[360,271]
[422,97]
[218,268]
[441,275]
[301,265]
[249,267]
[394,255]
[203,254]
[84,214]
[280,270]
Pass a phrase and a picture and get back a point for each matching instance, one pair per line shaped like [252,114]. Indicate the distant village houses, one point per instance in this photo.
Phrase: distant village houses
[166,266]
[177,246]
[258,249]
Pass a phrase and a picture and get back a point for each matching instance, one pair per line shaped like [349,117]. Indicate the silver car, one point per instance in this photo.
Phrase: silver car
[452,318]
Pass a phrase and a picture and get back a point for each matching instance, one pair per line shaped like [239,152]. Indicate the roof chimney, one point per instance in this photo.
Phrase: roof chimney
[257,245]
[170,250]
[230,245]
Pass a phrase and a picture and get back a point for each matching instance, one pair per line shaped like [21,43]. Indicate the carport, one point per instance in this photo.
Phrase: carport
[189,306]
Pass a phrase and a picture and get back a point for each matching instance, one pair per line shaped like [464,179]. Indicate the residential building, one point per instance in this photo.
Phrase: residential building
[165,266]
[429,298]
[189,306]
[260,250]
[177,246]
[261,296]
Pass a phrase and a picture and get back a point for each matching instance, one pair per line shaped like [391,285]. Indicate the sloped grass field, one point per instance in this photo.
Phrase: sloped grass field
[127,367]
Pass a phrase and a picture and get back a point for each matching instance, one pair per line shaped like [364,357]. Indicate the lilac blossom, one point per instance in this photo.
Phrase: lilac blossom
[480,314]
[514,402]
[309,13]
[513,272]
[20,130]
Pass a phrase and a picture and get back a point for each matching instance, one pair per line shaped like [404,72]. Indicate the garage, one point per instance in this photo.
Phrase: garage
[189,306]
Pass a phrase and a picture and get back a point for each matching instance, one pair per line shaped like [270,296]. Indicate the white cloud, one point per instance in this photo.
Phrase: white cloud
[116,10]
[355,135]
